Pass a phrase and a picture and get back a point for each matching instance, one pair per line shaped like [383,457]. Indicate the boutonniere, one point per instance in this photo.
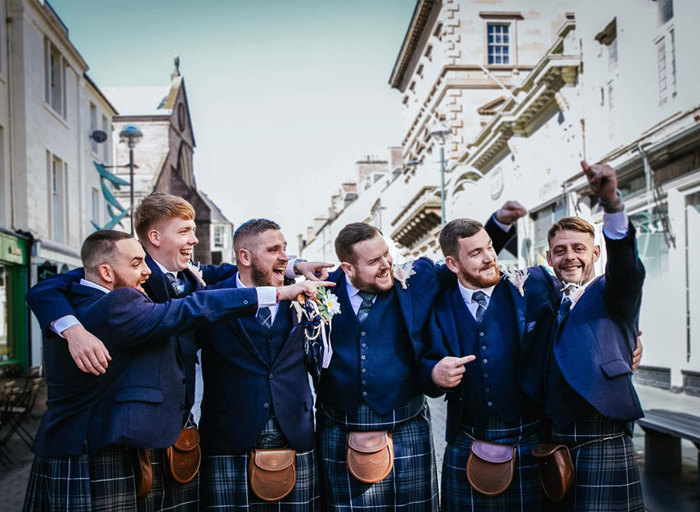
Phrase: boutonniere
[319,314]
[403,272]
[574,291]
[197,271]
[516,277]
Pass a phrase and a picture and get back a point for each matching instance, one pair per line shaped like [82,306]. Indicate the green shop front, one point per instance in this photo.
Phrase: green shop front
[14,316]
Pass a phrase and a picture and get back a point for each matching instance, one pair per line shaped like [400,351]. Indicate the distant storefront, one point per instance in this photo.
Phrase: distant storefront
[14,278]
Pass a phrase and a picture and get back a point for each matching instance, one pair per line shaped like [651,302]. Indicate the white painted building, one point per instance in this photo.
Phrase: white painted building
[50,189]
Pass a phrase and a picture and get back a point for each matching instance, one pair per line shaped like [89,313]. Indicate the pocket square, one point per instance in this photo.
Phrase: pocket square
[530,326]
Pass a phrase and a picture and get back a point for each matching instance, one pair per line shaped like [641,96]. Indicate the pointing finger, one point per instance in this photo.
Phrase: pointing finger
[464,360]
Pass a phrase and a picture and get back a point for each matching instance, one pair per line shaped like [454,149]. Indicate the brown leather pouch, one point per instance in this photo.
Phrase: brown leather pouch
[490,467]
[185,456]
[555,468]
[143,472]
[370,455]
[272,473]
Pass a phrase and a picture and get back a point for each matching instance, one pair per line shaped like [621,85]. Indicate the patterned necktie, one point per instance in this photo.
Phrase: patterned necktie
[367,301]
[174,285]
[483,300]
[264,316]
[564,309]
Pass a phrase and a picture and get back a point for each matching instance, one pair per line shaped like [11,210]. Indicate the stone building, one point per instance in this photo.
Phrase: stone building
[50,188]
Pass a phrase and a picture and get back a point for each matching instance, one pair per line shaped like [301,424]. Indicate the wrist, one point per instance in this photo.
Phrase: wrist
[613,205]
[277,297]
[295,268]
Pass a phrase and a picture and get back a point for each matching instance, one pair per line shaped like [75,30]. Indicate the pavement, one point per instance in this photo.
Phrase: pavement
[676,493]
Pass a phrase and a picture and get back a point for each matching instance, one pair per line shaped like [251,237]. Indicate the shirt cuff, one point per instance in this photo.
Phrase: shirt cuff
[267,296]
[615,225]
[289,273]
[504,227]
[63,323]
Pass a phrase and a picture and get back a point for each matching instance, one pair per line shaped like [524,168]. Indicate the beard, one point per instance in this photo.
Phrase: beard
[478,280]
[372,286]
[262,277]
[120,282]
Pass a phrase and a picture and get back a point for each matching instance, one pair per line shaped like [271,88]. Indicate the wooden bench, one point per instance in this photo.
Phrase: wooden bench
[662,440]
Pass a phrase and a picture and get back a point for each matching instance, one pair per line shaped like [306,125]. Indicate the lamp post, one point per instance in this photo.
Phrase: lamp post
[131,135]
[439,132]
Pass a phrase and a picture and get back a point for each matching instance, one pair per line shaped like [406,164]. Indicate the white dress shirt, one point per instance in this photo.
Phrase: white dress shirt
[467,295]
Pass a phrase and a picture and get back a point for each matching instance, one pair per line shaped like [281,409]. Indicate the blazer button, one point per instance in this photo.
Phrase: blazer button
[245,301]
[363,333]
[489,403]
[481,333]
[484,360]
[270,376]
[363,357]
[266,405]
[364,393]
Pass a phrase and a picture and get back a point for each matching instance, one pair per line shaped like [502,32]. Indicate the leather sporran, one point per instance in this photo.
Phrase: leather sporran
[555,468]
[490,467]
[143,472]
[185,456]
[370,455]
[272,473]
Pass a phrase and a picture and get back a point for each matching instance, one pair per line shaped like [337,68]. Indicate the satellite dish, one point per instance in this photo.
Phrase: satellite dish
[98,136]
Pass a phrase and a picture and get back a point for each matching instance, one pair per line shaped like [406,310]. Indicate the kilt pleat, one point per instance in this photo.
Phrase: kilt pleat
[103,482]
[411,485]
[524,492]
[607,475]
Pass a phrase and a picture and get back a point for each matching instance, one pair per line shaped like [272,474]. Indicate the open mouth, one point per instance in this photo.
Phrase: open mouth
[279,271]
[186,253]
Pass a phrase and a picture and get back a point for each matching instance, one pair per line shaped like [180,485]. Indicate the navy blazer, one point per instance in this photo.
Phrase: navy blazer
[140,400]
[594,346]
[241,387]
[48,302]
[537,302]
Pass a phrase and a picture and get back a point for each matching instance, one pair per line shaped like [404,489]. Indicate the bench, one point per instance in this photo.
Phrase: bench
[662,440]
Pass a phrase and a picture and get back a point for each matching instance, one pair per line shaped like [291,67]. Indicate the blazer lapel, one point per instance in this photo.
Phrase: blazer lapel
[520,307]
[241,333]
[446,316]
[406,305]
[156,285]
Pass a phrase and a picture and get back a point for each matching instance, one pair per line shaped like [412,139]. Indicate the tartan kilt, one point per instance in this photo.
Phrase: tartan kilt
[412,483]
[607,475]
[224,479]
[225,485]
[524,492]
[102,482]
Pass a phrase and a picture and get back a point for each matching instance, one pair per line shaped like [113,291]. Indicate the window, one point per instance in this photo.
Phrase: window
[665,11]
[543,220]
[57,198]
[219,236]
[96,207]
[666,52]
[661,70]
[93,127]
[498,43]
[55,79]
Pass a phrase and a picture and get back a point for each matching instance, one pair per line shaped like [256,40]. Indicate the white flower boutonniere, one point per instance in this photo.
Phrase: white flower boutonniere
[197,271]
[403,272]
[319,314]
[516,277]
[573,291]
[328,304]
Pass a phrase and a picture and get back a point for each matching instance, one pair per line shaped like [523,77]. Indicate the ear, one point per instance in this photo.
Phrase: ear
[348,268]
[549,258]
[243,258]
[153,237]
[106,273]
[452,264]
[596,253]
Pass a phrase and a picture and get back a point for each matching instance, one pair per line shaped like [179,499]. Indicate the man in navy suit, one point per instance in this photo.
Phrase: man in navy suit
[86,438]
[256,389]
[487,318]
[590,398]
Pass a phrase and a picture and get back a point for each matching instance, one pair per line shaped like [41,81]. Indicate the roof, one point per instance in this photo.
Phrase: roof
[142,101]
[216,214]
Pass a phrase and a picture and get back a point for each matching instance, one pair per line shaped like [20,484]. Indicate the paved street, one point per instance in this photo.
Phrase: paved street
[662,494]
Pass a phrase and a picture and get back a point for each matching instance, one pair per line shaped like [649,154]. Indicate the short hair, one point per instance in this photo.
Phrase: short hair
[158,207]
[454,231]
[570,224]
[352,234]
[251,228]
[100,247]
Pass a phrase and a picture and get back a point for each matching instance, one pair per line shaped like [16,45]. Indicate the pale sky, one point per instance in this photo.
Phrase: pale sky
[285,96]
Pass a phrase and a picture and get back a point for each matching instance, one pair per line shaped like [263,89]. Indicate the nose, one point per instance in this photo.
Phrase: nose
[145,271]
[193,239]
[489,256]
[385,263]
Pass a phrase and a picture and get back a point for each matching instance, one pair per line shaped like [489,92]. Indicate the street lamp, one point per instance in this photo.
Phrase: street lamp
[131,135]
[439,132]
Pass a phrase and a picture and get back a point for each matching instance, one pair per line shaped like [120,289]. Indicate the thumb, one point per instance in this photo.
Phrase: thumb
[461,361]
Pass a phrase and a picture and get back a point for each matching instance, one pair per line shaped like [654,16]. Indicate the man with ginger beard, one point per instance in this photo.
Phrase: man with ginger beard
[257,400]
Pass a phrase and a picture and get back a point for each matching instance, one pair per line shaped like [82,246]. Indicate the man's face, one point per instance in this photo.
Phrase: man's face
[371,271]
[572,255]
[268,258]
[476,264]
[177,241]
[129,266]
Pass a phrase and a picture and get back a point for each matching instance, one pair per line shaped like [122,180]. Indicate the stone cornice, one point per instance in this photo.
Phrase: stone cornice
[410,41]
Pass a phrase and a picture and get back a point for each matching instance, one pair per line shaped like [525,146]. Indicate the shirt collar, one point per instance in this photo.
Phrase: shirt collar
[239,283]
[165,270]
[352,291]
[90,284]
[467,293]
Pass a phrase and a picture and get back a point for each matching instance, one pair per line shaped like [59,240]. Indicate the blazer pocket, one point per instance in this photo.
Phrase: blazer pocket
[139,394]
[530,326]
[615,368]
